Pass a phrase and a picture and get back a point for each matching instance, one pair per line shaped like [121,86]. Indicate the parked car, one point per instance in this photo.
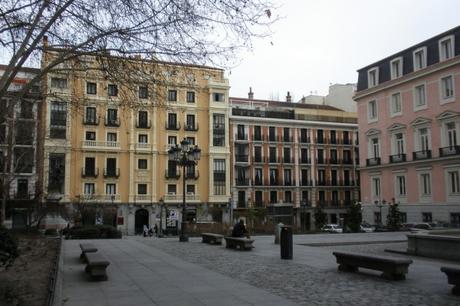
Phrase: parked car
[407,226]
[332,228]
[421,227]
[366,228]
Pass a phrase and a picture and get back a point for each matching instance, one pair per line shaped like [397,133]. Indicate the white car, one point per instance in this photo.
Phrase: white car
[332,228]
[366,228]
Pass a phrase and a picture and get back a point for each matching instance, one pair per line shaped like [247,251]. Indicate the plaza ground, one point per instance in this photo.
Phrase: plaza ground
[152,271]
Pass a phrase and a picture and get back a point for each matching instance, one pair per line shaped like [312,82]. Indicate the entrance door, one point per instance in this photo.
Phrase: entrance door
[141,219]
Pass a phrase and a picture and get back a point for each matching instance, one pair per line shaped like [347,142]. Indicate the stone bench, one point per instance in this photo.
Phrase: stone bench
[211,238]
[96,265]
[238,243]
[86,248]
[453,278]
[393,268]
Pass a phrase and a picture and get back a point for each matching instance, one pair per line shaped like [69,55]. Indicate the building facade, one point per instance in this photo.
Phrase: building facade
[107,141]
[292,157]
[409,120]
[20,149]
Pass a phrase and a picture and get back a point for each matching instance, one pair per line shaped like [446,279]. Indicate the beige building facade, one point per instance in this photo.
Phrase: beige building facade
[107,140]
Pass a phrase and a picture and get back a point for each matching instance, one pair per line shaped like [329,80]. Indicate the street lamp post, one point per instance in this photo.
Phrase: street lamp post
[160,230]
[380,204]
[184,155]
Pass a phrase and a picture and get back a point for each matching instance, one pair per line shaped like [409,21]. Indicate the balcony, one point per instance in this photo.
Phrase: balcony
[398,158]
[257,138]
[193,127]
[347,141]
[143,197]
[286,138]
[321,183]
[175,126]
[111,172]
[334,161]
[274,182]
[334,141]
[347,161]
[321,161]
[143,146]
[418,155]
[304,139]
[449,151]
[272,138]
[241,158]
[189,196]
[172,174]
[112,121]
[289,183]
[242,182]
[89,172]
[273,160]
[241,137]
[373,161]
[192,175]
[304,160]
[321,140]
[91,121]
[288,160]
[143,124]
[348,183]
[258,182]
[105,144]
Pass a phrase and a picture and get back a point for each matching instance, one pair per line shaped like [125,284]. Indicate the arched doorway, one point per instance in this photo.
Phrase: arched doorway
[141,219]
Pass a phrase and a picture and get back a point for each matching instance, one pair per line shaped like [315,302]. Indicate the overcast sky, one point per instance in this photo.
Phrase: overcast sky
[322,42]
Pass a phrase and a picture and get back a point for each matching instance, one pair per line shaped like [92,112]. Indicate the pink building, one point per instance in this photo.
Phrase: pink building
[409,129]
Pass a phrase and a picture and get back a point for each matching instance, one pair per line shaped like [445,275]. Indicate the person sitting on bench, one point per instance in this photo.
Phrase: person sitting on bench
[239,230]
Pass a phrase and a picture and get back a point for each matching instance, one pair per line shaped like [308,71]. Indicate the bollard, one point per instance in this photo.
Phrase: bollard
[278,232]
[286,242]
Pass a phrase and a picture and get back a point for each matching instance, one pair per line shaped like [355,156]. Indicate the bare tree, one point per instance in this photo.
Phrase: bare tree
[204,32]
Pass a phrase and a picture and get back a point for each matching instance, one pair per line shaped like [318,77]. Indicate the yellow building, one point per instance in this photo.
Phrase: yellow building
[108,134]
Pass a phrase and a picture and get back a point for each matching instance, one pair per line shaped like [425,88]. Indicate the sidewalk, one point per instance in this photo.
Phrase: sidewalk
[143,275]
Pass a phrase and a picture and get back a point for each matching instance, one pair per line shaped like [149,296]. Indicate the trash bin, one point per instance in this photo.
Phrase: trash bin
[286,242]
[278,232]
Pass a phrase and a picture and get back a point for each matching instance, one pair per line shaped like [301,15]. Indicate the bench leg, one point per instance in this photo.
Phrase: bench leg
[456,290]
[347,268]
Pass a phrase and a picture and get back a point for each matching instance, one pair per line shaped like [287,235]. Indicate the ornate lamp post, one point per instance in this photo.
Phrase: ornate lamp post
[380,204]
[160,230]
[184,155]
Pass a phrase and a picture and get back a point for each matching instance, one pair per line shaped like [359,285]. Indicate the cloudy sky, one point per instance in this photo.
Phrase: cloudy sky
[321,42]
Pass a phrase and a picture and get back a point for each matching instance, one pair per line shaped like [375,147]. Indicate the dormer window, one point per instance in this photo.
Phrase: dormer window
[446,48]
[419,58]
[373,77]
[396,68]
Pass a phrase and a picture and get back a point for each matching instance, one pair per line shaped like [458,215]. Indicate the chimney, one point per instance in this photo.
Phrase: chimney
[288,97]
[250,94]
[45,41]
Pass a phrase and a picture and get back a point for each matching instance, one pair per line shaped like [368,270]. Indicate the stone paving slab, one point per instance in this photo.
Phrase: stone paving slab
[141,274]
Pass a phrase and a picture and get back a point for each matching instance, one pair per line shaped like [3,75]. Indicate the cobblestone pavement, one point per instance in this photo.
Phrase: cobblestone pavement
[309,285]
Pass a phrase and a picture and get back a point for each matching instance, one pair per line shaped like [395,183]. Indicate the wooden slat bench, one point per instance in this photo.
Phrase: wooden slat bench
[393,268]
[96,265]
[86,248]
[453,278]
[238,243]
[211,238]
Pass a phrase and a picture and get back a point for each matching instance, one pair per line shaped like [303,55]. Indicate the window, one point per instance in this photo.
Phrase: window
[112,90]
[111,170]
[190,140]
[446,48]
[218,97]
[23,160]
[190,122]
[333,136]
[171,189]
[141,188]
[287,196]
[218,139]
[274,177]
[304,136]
[172,121]
[419,97]
[219,177]
[271,133]
[287,155]
[89,189]
[111,189]
[258,154]
[142,164]
[453,181]
[172,140]
[143,119]
[273,197]
[58,120]
[399,143]
[395,104]
[143,92]
[90,135]
[375,187]
[56,173]
[190,189]
[375,147]
[372,110]
[272,154]
[396,68]
[112,137]
[425,184]
[27,109]
[112,117]
[22,188]
[190,97]
[451,134]
[403,217]
[60,83]
[287,177]
[91,88]
[257,133]
[143,138]
[424,141]
[91,115]
[419,58]
[401,186]
[172,95]
[447,88]
[427,217]
[373,77]
[258,176]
